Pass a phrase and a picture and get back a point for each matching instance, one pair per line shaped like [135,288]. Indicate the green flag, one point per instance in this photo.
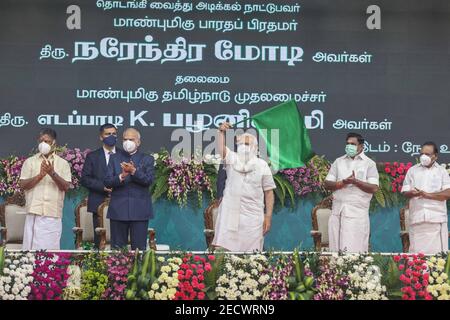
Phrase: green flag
[285,135]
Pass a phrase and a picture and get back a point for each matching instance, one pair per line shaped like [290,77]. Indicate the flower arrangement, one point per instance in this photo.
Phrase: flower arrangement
[397,171]
[414,276]
[439,282]
[118,266]
[243,278]
[191,276]
[308,179]
[49,276]
[72,291]
[16,276]
[76,159]
[330,283]
[94,279]
[10,174]
[179,178]
[278,287]
[363,275]
[165,286]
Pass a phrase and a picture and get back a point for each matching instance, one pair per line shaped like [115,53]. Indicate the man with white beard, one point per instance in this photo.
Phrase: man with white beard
[245,212]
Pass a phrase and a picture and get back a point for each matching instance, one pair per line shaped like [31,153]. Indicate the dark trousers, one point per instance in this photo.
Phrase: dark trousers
[95,224]
[136,229]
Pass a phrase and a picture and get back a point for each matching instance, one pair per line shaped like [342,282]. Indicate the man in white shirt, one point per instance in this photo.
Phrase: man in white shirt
[427,185]
[353,178]
[245,212]
[45,177]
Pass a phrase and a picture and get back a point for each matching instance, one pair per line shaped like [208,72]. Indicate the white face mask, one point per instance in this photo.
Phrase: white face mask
[44,148]
[129,146]
[425,160]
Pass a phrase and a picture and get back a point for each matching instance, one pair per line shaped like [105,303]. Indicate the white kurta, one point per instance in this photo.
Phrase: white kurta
[239,223]
[349,225]
[428,230]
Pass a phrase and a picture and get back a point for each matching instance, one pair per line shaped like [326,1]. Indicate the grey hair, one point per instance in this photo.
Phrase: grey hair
[133,130]
[253,140]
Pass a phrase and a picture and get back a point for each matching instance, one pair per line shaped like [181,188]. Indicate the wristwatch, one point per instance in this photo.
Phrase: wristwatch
[54,174]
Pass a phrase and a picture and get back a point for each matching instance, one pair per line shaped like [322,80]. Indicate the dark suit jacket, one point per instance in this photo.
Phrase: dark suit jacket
[130,199]
[92,177]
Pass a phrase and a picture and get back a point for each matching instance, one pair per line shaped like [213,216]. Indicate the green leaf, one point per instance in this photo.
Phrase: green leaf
[280,191]
[379,196]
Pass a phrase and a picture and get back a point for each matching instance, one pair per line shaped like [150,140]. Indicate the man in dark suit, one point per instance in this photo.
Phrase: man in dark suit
[94,172]
[130,174]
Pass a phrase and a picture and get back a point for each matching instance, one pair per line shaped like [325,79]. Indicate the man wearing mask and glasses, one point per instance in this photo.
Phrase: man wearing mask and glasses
[94,172]
[427,185]
[353,178]
[245,212]
[130,174]
[45,177]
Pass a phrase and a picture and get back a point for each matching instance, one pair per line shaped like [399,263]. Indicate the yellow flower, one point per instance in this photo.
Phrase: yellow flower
[433,259]
[155,286]
[439,280]
[441,262]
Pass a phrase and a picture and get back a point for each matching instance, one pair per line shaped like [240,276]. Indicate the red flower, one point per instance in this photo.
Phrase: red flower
[397,258]
[401,267]
[211,258]
[201,295]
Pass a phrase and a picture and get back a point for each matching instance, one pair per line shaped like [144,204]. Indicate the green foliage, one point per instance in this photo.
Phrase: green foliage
[2,259]
[300,286]
[384,197]
[390,275]
[142,276]
[284,188]
[323,166]
[162,172]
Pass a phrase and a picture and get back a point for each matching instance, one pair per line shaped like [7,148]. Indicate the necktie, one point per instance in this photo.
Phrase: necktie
[109,156]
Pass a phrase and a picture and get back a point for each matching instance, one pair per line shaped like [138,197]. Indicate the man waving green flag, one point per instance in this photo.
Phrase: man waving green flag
[284,132]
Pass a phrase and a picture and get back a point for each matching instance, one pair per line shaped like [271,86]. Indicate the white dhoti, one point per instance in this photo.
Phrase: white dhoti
[42,233]
[248,234]
[428,238]
[349,229]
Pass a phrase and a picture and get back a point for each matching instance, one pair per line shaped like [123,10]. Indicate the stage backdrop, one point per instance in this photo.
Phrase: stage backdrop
[380,70]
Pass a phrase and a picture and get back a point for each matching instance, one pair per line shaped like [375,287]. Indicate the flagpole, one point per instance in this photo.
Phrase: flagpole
[246,119]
